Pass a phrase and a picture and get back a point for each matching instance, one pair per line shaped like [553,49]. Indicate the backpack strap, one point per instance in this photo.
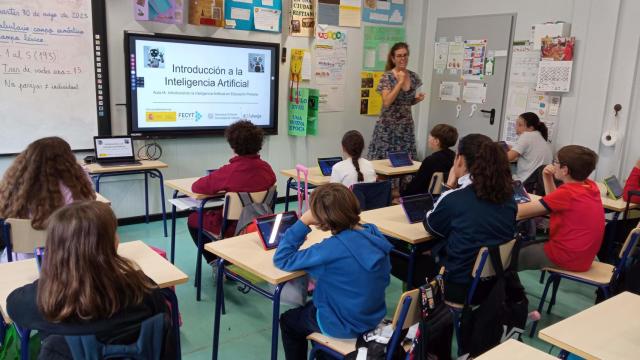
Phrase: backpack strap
[268,199]
[496,260]
[245,198]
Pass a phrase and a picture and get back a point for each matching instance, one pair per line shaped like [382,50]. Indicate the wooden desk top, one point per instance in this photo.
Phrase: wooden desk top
[146,165]
[609,330]
[383,167]
[393,222]
[315,176]
[515,350]
[159,269]
[617,205]
[246,251]
[184,187]
[102,199]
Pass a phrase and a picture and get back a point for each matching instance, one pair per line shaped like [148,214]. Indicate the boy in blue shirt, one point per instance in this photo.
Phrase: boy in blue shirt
[351,269]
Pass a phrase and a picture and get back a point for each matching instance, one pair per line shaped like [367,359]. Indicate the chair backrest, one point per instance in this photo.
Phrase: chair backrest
[233,206]
[413,312]
[484,268]
[301,169]
[435,185]
[629,244]
[148,346]
[23,237]
[373,195]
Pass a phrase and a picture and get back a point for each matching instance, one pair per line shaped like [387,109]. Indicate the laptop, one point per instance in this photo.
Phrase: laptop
[520,194]
[416,206]
[326,164]
[614,188]
[114,150]
[39,255]
[400,158]
[271,228]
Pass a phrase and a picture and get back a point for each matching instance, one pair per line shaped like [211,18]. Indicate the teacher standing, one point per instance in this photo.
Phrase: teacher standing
[394,129]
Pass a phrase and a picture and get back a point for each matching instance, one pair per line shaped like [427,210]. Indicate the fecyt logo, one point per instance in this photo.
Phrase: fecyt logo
[190,115]
[331,35]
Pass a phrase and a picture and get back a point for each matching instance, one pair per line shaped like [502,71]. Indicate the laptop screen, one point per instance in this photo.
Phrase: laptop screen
[326,164]
[614,186]
[416,206]
[520,194]
[271,228]
[400,158]
[116,147]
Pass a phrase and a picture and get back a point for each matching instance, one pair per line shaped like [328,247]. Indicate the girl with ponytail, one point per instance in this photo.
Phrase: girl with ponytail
[479,211]
[532,149]
[354,169]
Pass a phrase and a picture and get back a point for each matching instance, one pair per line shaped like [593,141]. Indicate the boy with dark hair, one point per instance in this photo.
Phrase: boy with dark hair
[576,214]
[441,138]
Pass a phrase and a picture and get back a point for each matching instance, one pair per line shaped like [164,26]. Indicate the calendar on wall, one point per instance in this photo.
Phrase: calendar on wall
[554,76]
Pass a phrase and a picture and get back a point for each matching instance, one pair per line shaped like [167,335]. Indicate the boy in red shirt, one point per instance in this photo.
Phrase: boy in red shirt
[633,184]
[576,212]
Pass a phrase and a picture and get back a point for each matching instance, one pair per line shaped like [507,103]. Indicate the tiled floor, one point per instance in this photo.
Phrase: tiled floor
[246,328]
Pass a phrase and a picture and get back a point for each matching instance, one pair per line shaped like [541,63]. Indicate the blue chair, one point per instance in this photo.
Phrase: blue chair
[407,313]
[149,345]
[600,275]
[435,184]
[373,195]
[481,270]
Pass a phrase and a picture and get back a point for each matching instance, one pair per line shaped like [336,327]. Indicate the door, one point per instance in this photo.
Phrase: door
[484,117]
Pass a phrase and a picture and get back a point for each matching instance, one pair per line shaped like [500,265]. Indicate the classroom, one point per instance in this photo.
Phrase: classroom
[292,179]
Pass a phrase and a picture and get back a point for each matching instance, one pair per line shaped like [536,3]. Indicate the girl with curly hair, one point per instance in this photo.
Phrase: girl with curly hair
[43,178]
[479,211]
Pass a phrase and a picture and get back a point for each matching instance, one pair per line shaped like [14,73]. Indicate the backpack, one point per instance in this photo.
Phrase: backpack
[435,329]
[502,315]
[252,210]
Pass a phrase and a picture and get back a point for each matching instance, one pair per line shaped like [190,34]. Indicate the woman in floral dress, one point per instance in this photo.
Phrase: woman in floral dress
[394,129]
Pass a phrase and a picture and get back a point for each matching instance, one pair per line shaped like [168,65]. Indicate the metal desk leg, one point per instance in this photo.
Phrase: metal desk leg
[170,295]
[411,266]
[24,342]
[286,196]
[275,322]
[164,207]
[146,197]
[218,309]
[173,228]
[200,249]
[96,182]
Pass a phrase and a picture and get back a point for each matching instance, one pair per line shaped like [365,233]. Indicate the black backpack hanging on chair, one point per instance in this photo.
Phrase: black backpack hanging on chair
[435,330]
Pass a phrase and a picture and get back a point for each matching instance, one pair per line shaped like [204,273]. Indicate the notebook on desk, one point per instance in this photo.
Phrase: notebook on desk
[416,206]
[114,150]
[399,158]
[326,164]
[271,228]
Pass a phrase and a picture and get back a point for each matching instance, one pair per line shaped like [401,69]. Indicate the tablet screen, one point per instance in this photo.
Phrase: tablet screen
[614,186]
[400,158]
[326,164]
[416,206]
[520,193]
[272,227]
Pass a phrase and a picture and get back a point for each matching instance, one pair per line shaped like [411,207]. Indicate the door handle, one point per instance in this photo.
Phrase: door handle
[492,115]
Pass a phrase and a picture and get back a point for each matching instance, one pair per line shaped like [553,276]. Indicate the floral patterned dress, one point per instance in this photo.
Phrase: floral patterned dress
[394,130]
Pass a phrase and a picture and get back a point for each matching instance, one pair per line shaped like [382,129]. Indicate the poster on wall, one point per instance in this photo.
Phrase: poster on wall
[473,61]
[303,115]
[370,99]
[302,18]
[440,56]
[474,93]
[206,12]
[449,91]
[339,12]
[383,12]
[331,98]
[455,56]
[554,76]
[261,15]
[165,11]
[330,55]
[378,41]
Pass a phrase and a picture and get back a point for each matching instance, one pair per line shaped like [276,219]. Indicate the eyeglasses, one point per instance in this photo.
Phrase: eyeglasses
[402,55]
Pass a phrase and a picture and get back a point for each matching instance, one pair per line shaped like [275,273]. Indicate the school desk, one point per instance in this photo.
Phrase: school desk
[102,199]
[315,179]
[157,268]
[609,330]
[150,168]
[246,252]
[185,198]
[515,350]
[383,167]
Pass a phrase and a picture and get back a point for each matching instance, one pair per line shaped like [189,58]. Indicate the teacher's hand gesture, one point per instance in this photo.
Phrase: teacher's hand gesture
[419,97]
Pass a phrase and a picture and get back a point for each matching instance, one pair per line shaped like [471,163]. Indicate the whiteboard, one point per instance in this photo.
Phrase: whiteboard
[53,67]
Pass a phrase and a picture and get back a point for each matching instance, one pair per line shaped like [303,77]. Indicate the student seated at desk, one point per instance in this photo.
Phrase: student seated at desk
[479,211]
[576,214]
[43,178]
[245,172]
[354,169]
[85,287]
[531,150]
[441,138]
[351,269]
[633,184]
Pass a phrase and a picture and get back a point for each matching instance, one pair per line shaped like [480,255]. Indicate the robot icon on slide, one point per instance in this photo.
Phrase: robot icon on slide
[153,57]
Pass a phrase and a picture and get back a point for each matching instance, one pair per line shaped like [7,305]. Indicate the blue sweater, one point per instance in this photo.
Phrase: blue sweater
[352,271]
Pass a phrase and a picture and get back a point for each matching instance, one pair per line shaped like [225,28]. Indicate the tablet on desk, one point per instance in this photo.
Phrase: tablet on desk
[271,228]
[399,158]
[614,188]
[326,164]
[520,194]
[416,206]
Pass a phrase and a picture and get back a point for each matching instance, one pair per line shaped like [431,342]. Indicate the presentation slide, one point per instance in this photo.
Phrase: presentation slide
[178,85]
[116,147]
